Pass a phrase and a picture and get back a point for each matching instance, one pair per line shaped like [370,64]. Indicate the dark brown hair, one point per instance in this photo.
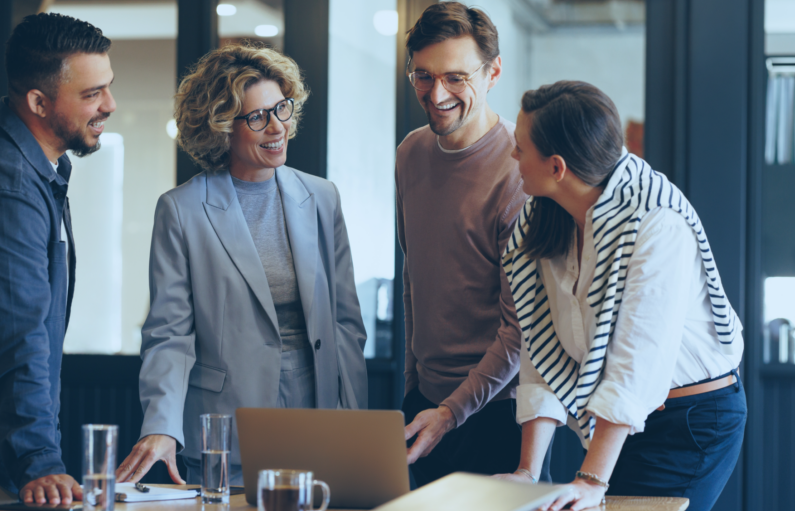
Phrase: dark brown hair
[38,47]
[448,20]
[578,122]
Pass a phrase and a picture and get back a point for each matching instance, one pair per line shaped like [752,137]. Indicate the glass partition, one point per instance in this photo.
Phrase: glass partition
[361,151]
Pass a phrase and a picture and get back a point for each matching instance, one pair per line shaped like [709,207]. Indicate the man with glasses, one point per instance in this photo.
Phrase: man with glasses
[458,195]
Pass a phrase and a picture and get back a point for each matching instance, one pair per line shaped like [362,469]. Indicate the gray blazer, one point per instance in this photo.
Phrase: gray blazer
[211,341]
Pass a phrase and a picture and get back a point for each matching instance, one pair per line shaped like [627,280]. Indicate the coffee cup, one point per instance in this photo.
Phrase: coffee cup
[288,490]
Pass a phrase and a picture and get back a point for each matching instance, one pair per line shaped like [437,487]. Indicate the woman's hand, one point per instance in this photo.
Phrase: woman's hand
[580,494]
[516,478]
[148,451]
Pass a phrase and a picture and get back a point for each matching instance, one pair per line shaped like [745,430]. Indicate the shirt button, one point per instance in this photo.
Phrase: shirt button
[317,344]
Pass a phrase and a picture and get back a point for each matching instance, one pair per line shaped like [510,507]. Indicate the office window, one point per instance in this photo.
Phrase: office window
[113,192]
[602,43]
[361,150]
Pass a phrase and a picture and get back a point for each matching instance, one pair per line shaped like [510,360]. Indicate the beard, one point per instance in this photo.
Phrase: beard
[74,138]
[442,128]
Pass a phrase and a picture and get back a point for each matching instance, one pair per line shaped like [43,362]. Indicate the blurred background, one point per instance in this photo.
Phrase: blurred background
[706,93]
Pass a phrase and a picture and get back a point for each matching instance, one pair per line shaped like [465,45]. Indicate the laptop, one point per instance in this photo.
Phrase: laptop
[360,454]
[470,492]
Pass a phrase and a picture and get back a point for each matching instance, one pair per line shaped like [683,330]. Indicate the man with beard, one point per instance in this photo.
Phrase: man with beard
[58,78]
[458,195]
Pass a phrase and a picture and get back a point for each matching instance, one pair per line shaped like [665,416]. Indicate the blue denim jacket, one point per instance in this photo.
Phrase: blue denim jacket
[35,301]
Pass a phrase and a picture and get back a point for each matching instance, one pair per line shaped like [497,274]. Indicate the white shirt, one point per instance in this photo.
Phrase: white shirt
[63,228]
[664,337]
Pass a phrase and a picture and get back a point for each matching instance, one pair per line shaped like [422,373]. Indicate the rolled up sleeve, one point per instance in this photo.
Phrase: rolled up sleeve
[534,398]
[642,354]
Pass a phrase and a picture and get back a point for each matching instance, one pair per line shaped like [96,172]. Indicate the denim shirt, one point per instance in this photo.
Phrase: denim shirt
[35,300]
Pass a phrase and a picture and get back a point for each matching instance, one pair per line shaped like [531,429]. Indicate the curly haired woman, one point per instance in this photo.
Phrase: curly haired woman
[253,302]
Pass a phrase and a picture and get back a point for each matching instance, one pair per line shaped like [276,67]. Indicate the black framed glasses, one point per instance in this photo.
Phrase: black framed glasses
[258,120]
[453,82]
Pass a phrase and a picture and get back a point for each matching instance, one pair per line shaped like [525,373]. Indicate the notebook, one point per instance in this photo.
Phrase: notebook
[126,492]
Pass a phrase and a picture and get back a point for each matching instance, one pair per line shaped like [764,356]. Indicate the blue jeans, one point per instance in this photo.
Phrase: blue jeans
[689,449]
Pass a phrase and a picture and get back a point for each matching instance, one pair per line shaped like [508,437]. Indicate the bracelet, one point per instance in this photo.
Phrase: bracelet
[524,471]
[592,478]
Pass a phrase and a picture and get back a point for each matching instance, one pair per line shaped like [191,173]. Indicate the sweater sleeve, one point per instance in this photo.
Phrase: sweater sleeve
[410,370]
[500,364]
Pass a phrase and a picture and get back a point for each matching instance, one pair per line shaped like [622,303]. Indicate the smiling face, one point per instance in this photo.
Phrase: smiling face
[254,151]
[83,104]
[448,112]
[537,170]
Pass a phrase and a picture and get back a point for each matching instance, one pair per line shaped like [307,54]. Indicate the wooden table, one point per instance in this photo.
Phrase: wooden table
[238,503]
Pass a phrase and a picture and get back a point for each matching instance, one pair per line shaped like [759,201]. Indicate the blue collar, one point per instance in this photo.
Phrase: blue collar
[21,136]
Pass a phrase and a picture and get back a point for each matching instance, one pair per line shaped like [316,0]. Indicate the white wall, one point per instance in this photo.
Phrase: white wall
[361,143]
[95,201]
[610,58]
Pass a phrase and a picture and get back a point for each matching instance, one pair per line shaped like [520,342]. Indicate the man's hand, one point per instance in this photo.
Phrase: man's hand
[429,426]
[55,489]
[148,451]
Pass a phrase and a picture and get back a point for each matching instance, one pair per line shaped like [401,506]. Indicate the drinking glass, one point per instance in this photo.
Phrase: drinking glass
[99,466]
[288,490]
[216,444]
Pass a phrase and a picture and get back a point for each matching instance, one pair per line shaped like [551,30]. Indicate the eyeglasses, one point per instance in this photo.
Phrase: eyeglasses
[258,120]
[453,82]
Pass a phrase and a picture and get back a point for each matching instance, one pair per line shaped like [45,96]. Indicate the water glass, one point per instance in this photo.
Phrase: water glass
[216,444]
[288,490]
[99,466]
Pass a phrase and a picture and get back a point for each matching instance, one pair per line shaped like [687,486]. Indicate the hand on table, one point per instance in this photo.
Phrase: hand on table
[148,451]
[429,426]
[580,494]
[55,489]
[515,478]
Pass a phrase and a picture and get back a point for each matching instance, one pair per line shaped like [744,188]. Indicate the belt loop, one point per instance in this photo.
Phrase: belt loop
[736,373]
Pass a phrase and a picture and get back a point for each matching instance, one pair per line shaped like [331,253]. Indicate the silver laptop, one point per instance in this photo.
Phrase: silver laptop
[470,492]
[361,454]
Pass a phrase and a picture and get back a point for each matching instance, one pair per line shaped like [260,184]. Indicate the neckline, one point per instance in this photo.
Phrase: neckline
[457,154]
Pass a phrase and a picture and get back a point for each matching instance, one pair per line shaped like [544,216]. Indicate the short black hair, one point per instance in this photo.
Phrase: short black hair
[38,46]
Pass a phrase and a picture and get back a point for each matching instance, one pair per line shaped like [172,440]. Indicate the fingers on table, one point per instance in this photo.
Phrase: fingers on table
[65,493]
[77,491]
[149,459]
[131,465]
[562,501]
[171,463]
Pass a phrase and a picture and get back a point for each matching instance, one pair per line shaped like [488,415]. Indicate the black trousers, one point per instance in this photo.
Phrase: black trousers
[489,442]
[687,450]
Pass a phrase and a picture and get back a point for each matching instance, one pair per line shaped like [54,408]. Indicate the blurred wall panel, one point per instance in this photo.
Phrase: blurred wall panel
[95,199]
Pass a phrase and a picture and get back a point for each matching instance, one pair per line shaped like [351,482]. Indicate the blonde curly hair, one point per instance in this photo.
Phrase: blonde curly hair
[211,96]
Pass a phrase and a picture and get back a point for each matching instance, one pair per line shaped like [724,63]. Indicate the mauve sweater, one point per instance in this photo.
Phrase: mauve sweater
[455,213]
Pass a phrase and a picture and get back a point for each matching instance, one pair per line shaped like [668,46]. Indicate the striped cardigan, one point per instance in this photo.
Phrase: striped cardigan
[633,190]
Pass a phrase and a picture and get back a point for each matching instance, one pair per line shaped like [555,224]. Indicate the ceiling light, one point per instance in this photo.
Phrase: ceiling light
[226,10]
[386,22]
[171,129]
[266,30]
